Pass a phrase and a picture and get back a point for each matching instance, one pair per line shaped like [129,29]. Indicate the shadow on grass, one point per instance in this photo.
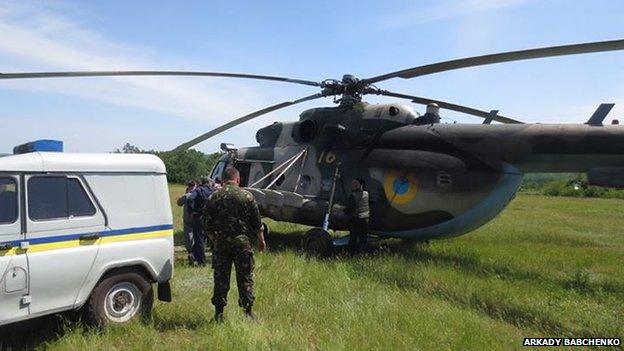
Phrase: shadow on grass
[38,332]
[34,333]
[419,253]
[280,241]
[164,324]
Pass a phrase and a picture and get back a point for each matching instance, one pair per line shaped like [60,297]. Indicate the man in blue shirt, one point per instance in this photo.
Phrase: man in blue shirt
[197,200]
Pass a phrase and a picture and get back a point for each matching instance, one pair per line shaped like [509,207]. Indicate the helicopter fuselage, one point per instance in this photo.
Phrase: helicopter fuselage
[425,181]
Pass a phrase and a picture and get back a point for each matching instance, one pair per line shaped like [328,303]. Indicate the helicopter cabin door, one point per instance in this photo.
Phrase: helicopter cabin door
[243,168]
[252,171]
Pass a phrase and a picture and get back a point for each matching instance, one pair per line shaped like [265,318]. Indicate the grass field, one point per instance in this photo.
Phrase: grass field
[544,267]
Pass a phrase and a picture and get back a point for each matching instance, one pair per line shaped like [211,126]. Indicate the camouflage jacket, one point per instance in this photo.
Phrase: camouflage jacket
[231,211]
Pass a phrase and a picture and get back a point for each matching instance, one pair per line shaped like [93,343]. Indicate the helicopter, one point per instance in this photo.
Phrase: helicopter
[426,179]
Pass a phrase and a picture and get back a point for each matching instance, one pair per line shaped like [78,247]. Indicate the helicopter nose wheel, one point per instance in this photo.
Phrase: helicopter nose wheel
[317,242]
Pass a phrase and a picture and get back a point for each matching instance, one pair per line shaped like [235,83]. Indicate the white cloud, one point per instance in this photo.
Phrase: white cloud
[40,39]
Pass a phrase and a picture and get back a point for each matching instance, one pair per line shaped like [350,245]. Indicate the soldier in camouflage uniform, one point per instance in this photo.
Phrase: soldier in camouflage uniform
[232,222]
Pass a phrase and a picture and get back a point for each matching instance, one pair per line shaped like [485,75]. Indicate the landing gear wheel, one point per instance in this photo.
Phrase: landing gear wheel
[119,298]
[317,242]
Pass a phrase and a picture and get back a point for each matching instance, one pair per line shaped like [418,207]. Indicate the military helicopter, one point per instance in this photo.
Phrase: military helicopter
[426,179]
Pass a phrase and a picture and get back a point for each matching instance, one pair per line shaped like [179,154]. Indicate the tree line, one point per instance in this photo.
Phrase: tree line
[566,184]
[182,165]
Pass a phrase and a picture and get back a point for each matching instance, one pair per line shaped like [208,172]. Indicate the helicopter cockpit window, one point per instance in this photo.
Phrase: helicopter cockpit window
[217,172]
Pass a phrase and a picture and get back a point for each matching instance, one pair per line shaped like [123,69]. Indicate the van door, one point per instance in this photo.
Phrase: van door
[13,262]
[63,227]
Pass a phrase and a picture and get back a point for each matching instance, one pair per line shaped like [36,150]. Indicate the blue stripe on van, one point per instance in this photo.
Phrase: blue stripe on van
[70,237]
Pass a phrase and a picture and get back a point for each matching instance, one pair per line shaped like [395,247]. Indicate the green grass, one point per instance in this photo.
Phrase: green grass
[175,191]
[544,267]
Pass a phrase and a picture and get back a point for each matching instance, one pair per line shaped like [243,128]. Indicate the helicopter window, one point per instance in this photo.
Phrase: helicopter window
[307,130]
[280,180]
[217,172]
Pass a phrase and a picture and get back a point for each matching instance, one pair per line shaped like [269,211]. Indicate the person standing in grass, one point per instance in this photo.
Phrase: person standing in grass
[359,212]
[187,219]
[199,198]
[232,221]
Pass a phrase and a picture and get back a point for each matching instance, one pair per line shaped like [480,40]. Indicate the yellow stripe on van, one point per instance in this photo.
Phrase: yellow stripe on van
[78,243]
[138,236]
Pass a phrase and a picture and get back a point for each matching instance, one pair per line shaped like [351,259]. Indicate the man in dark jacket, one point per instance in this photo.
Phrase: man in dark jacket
[198,199]
[187,219]
[359,212]
[232,222]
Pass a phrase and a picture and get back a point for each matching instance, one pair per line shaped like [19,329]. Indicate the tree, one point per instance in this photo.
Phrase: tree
[183,165]
[129,149]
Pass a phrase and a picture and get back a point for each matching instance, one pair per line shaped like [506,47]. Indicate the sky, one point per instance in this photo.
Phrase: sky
[313,40]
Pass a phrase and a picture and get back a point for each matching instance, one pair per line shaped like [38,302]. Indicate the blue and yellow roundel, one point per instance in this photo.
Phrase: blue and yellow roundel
[400,188]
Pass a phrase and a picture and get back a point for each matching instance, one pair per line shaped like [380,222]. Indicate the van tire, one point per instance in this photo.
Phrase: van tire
[119,298]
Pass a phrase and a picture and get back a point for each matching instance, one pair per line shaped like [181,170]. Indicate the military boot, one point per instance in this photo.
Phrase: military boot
[249,313]
[218,315]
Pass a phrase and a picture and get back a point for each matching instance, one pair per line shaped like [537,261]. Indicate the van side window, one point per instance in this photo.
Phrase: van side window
[79,202]
[57,197]
[8,200]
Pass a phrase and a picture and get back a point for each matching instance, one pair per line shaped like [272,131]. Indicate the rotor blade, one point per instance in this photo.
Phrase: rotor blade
[501,57]
[27,75]
[450,106]
[243,119]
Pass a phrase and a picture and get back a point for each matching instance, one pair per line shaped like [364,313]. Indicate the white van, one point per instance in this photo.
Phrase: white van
[83,231]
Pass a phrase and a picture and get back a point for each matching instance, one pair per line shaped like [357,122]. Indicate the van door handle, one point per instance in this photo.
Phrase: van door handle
[6,246]
[92,236]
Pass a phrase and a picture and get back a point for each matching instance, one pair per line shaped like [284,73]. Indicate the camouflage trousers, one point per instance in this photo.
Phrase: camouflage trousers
[238,252]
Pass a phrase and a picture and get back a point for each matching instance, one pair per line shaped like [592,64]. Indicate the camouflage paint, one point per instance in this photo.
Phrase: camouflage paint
[425,181]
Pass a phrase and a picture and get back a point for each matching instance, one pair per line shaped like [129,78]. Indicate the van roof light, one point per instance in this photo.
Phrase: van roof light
[39,145]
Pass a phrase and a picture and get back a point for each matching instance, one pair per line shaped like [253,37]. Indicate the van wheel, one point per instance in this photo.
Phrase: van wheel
[119,298]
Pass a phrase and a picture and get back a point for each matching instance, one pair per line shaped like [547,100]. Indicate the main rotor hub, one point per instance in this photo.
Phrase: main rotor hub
[350,88]
[349,79]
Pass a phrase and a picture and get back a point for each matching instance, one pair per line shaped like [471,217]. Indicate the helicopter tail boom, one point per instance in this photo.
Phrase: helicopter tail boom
[531,148]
